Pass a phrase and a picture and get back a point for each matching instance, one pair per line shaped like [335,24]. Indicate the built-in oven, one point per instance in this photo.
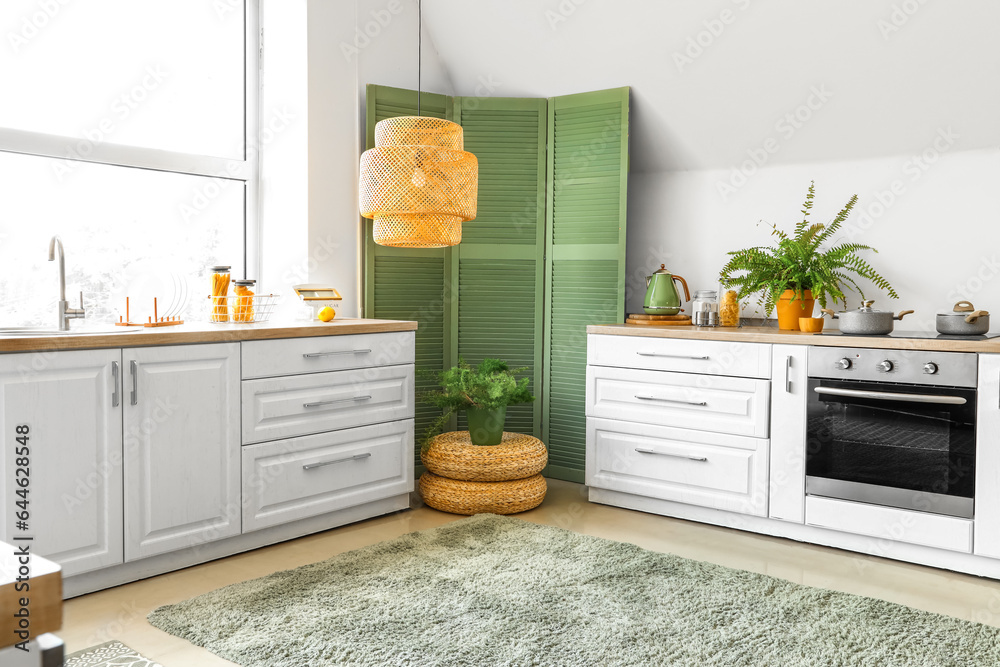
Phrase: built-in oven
[892,427]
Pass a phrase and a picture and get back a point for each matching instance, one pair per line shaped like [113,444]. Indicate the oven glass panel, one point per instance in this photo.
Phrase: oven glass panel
[922,447]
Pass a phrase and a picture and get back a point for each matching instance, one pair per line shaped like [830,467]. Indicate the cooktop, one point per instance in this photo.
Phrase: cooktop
[914,334]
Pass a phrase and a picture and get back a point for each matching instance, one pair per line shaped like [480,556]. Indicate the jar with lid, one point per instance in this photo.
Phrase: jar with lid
[220,292]
[705,308]
[243,306]
[729,310]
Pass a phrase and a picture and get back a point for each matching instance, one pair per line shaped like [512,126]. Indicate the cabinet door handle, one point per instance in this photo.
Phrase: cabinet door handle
[672,356]
[315,355]
[116,396]
[669,400]
[356,457]
[319,404]
[702,459]
[134,368]
[788,376]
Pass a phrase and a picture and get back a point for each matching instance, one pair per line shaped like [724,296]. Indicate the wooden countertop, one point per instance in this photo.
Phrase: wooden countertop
[199,332]
[758,334]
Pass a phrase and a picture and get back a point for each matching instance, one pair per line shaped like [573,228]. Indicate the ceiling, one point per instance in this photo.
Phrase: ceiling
[880,81]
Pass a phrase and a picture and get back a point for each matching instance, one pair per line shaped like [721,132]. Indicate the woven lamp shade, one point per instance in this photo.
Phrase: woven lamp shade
[418,183]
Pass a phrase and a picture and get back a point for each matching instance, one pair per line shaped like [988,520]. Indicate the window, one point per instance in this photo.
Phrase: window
[128,128]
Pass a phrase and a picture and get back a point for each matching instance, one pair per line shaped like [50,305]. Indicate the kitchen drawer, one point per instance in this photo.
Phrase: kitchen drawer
[890,524]
[294,356]
[737,406]
[286,407]
[293,479]
[711,357]
[723,472]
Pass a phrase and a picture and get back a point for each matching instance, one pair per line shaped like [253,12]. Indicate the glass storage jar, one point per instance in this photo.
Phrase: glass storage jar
[220,291]
[729,310]
[705,308]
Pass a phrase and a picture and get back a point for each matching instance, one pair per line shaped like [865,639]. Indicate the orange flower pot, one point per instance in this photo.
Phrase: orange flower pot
[790,311]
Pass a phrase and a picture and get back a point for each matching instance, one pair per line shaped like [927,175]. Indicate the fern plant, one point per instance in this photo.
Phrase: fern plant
[491,385]
[799,261]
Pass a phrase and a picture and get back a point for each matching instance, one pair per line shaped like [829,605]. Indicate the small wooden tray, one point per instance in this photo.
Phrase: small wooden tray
[661,323]
[659,318]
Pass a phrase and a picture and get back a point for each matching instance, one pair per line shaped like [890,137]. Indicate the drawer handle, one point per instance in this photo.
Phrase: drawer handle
[669,400]
[356,457]
[314,355]
[319,404]
[672,356]
[703,459]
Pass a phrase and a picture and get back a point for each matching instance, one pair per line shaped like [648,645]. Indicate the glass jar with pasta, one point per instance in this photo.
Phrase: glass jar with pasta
[729,310]
[243,304]
[220,292]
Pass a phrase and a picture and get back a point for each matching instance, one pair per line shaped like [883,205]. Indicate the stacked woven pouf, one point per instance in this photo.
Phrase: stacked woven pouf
[468,479]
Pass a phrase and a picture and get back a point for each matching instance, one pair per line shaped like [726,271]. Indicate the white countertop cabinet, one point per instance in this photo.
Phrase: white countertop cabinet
[71,404]
[715,431]
[148,459]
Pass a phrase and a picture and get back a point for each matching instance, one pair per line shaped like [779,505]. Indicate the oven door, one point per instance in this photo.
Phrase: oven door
[896,445]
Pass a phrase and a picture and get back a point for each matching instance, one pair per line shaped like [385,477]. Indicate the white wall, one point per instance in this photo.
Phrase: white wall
[351,44]
[842,93]
[937,234]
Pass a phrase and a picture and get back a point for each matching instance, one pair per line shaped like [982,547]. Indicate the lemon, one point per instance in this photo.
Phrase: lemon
[327,314]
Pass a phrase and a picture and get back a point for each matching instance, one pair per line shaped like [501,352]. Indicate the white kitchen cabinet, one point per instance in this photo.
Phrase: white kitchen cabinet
[295,405]
[71,404]
[705,357]
[182,446]
[701,402]
[987,510]
[292,479]
[789,391]
[725,472]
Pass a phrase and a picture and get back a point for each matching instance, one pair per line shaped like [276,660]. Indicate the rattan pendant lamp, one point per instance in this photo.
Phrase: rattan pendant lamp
[418,184]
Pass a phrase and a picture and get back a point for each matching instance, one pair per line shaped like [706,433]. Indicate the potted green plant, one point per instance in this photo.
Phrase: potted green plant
[798,269]
[483,392]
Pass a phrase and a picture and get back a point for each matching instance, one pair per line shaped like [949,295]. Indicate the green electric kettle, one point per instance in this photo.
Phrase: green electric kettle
[662,297]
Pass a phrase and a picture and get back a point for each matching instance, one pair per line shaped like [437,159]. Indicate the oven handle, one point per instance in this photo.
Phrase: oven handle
[891,396]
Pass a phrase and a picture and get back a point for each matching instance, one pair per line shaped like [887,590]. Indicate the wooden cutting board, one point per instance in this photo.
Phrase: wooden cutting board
[659,318]
[686,321]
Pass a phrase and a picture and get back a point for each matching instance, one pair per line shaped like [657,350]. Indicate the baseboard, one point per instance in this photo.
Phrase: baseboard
[117,575]
[870,546]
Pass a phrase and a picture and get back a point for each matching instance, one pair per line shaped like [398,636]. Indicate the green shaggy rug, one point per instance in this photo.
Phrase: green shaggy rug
[491,590]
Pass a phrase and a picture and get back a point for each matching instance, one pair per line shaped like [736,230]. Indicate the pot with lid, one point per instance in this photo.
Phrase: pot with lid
[866,321]
[963,320]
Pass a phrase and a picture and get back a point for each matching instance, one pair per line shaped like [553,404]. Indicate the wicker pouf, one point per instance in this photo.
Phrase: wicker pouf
[453,455]
[462,497]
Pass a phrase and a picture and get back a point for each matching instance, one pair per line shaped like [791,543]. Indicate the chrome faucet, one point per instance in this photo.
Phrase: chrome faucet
[65,312]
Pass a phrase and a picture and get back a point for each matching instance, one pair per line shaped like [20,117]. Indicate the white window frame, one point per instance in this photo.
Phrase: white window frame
[246,170]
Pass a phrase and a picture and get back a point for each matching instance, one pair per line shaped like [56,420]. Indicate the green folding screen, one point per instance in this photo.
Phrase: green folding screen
[544,257]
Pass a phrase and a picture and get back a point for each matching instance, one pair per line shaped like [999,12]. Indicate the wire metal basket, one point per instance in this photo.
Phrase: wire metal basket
[235,309]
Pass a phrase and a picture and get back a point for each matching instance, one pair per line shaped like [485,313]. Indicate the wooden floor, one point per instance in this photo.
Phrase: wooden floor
[120,613]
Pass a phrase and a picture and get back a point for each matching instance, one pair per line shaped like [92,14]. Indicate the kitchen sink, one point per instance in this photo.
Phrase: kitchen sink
[30,332]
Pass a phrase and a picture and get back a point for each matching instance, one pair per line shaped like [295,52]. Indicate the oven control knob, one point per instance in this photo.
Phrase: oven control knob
[885,366]
[843,364]
[930,368]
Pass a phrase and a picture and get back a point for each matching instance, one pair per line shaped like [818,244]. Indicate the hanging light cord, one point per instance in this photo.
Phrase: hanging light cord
[420,31]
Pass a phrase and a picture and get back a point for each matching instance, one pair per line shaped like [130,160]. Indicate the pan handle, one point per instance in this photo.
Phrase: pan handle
[901,313]
[830,313]
[964,307]
[975,315]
